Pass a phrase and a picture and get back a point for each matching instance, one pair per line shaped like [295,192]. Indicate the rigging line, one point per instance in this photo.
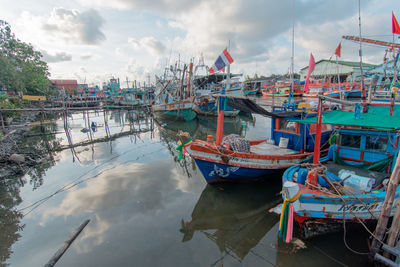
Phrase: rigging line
[329,256]
[355,216]
[344,237]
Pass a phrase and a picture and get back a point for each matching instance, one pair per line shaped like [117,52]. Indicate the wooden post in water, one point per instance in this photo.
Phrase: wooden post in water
[386,208]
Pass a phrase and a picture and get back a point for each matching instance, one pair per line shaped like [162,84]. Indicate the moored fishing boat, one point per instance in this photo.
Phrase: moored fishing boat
[183,109]
[282,90]
[175,97]
[236,158]
[351,183]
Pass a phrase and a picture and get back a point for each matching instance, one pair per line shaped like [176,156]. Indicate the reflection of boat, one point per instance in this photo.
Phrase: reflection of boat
[235,218]
[232,125]
[174,126]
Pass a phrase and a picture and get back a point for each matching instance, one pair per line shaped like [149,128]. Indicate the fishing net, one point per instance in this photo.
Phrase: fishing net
[236,143]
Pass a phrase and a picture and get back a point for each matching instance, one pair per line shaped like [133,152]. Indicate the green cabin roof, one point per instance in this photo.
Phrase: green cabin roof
[378,117]
[345,63]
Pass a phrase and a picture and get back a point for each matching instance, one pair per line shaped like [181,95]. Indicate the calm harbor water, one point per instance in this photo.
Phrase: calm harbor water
[148,209]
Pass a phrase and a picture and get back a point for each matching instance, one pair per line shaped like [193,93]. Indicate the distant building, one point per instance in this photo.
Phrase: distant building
[70,88]
[329,69]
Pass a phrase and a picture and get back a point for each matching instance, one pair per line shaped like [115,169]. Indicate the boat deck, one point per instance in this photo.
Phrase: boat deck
[269,149]
[378,176]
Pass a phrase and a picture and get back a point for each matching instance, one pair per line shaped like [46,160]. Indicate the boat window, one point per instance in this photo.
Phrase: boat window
[377,143]
[288,126]
[350,140]
[324,128]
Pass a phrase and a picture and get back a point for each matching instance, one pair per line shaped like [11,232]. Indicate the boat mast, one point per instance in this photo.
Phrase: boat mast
[317,143]
[221,106]
[363,94]
[292,61]
[228,78]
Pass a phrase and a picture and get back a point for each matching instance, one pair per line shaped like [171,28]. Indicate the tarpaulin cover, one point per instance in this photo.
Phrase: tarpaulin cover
[247,105]
[377,117]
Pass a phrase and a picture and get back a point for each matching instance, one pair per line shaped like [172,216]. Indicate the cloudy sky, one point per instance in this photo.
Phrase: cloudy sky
[93,40]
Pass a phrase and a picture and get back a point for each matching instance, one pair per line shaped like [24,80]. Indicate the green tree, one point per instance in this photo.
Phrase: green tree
[21,67]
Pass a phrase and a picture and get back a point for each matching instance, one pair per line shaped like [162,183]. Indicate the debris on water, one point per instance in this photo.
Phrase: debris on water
[277,209]
[297,244]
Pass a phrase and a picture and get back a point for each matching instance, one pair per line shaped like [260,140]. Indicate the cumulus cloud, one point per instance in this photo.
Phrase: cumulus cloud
[258,31]
[86,56]
[57,57]
[163,6]
[151,44]
[74,26]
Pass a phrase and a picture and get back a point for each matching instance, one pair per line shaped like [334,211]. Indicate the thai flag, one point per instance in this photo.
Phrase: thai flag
[223,60]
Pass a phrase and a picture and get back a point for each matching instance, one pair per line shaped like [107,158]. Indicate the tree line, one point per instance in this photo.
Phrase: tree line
[21,66]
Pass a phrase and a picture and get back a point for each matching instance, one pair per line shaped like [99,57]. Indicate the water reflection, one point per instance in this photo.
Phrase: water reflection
[198,129]
[9,218]
[38,148]
[203,126]
[235,216]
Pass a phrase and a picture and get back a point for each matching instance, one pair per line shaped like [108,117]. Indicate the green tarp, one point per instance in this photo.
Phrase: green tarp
[378,117]
[378,166]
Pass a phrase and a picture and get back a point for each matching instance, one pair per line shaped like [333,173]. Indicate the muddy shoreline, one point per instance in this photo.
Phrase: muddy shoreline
[12,143]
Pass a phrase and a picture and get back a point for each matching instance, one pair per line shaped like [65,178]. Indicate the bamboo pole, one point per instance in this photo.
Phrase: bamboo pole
[394,229]
[386,207]
[66,245]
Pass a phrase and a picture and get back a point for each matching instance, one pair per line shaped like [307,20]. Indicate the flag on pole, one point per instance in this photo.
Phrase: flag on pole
[223,60]
[395,25]
[338,48]
[311,66]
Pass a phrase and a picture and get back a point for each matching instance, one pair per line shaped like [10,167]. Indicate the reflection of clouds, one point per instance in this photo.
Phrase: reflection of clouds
[100,153]
[93,234]
[118,195]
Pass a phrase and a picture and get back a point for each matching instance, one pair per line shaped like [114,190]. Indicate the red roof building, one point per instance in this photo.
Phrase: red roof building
[67,85]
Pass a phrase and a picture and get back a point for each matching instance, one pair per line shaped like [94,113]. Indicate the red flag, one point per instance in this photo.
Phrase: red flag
[338,48]
[395,25]
[311,66]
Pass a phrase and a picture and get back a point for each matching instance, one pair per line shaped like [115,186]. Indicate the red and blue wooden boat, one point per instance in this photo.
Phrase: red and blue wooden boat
[218,163]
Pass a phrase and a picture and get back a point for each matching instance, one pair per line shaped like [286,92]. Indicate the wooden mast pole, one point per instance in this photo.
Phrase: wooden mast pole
[363,94]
